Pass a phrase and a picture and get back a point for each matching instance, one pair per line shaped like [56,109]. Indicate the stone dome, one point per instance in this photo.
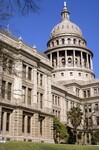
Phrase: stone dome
[65,26]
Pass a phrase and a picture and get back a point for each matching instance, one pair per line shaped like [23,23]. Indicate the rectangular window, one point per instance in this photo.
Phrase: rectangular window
[23,94]
[67,105]
[89,106]
[56,114]
[62,74]
[97,120]
[77,92]
[37,78]
[7,121]
[41,79]
[23,123]
[37,97]
[41,100]
[10,66]
[96,107]
[86,122]
[84,93]
[88,92]
[86,108]
[53,111]
[54,75]
[71,73]
[29,96]
[9,91]
[4,63]
[58,101]
[95,92]
[29,73]
[41,127]
[28,124]
[59,114]
[53,99]
[79,74]
[24,72]
[3,89]
[2,116]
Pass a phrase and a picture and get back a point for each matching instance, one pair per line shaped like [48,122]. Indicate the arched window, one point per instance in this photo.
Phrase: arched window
[57,41]
[79,42]
[52,44]
[62,26]
[76,61]
[69,40]
[74,41]
[63,61]
[69,60]
[67,26]
[63,41]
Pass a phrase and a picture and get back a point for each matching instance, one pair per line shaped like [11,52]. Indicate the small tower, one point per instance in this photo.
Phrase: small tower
[65,13]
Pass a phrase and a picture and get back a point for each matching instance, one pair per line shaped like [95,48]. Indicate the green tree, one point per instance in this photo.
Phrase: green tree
[60,131]
[95,137]
[8,8]
[75,116]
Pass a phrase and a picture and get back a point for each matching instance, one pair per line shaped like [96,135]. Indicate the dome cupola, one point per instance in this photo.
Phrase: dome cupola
[65,13]
[65,26]
[68,52]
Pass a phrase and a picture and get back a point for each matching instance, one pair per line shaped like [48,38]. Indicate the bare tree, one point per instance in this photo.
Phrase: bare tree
[8,8]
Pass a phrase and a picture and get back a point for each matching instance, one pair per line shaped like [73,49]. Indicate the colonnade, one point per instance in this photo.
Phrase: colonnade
[71,58]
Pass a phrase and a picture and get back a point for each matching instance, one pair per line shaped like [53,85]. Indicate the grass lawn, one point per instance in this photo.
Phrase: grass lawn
[42,146]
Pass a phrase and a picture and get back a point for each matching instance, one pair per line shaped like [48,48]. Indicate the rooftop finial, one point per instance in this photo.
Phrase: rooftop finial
[65,13]
[8,27]
[64,4]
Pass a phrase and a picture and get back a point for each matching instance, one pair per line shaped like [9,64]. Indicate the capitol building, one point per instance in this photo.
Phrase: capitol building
[37,86]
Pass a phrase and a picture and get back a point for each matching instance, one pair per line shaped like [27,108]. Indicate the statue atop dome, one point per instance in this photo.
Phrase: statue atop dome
[64,4]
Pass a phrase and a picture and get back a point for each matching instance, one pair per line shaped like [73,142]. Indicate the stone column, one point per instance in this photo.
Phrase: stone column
[4,122]
[85,138]
[58,63]
[17,85]
[82,60]
[74,57]
[35,86]
[17,123]
[65,57]
[25,125]
[49,95]
[87,61]
[36,127]
[91,62]
[26,96]
[45,93]
[89,138]
[51,58]
[38,78]
[48,126]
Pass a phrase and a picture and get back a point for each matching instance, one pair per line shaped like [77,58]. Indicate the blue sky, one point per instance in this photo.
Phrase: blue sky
[35,29]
